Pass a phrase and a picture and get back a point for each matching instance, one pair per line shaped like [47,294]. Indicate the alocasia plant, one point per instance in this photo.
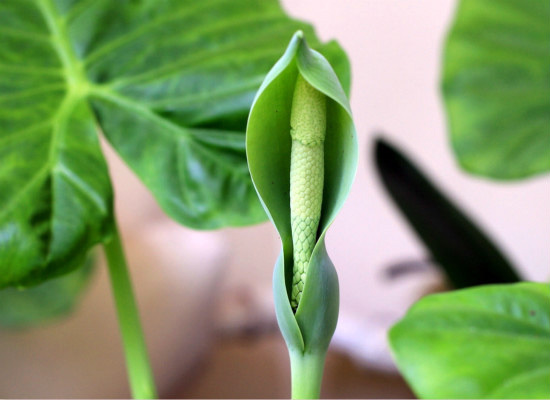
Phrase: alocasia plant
[169,83]
[299,117]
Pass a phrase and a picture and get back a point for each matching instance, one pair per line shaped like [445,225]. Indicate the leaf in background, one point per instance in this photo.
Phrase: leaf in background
[496,86]
[25,308]
[459,247]
[490,342]
[169,82]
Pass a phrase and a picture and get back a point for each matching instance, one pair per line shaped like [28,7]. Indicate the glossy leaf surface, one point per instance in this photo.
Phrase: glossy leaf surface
[496,86]
[486,342]
[168,82]
[268,145]
[467,256]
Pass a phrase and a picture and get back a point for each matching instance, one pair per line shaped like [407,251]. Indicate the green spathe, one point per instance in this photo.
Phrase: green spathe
[308,331]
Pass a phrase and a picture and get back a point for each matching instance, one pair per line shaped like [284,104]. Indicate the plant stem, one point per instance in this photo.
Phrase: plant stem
[307,374]
[138,365]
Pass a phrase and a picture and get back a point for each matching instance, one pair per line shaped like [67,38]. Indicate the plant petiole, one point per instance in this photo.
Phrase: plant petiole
[307,374]
[140,374]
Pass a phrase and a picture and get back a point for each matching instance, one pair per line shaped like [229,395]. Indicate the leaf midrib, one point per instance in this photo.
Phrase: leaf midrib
[75,79]
[74,71]
[79,87]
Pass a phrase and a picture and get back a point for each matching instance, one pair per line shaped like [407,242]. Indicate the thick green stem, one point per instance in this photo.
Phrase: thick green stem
[307,374]
[138,365]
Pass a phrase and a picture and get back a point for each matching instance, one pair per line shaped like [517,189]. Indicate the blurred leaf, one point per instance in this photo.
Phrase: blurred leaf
[169,82]
[24,308]
[268,145]
[459,247]
[55,191]
[490,342]
[496,86]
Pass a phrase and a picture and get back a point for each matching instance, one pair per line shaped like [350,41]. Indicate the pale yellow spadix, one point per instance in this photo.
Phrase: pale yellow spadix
[307,129]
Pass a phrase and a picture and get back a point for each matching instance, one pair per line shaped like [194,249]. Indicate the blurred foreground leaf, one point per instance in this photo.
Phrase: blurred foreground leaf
[490,342]
[24,308]
[169,82]
[459,247]
[496,86]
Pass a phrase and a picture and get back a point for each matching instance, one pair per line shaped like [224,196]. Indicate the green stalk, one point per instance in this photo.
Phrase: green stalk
[140,375]
[307,374]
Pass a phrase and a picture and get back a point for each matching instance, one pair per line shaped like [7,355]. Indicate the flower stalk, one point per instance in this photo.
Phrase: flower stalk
[306,375]
[302,176]
[138,364]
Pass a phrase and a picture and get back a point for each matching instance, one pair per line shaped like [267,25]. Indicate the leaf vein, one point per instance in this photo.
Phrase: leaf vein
[33,91]
[127,38]
[25,131]
[82,186]
[23,34]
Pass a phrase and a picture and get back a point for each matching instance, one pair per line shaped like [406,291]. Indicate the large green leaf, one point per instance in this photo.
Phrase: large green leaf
[169,82]
[24,308]
[485,342]
[461,249]
[268,145]
[496,85]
